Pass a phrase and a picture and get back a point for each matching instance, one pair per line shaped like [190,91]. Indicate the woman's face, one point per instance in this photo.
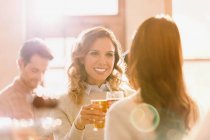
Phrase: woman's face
[99,61]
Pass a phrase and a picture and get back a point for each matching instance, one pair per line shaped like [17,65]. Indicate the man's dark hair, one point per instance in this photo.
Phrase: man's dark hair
[35,46]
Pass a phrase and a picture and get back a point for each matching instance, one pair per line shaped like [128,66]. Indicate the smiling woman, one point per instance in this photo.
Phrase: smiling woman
[96,48]
[97,67]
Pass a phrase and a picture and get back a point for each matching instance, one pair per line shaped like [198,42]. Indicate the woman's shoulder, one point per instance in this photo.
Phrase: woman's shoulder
[125,104]
[124,86]
[64,101]
[63,97]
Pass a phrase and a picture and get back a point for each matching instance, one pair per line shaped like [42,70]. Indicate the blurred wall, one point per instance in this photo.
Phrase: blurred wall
[139,10]
[11,37]
[12,29]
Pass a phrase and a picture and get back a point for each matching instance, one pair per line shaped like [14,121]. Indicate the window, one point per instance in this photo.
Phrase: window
[61,49]
[49,9]
[56,78]
[193,20]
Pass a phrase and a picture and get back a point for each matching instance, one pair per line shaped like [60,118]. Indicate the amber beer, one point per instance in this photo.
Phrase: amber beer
[114,96]
[103,104]
[111,101]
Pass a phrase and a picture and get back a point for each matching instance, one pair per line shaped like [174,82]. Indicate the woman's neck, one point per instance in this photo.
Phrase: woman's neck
[99,84]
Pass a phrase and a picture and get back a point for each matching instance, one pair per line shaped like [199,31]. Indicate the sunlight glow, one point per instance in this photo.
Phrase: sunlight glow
[50,11]
[61,50]
[194,27]
[91,7]
[56,46]
[56,79]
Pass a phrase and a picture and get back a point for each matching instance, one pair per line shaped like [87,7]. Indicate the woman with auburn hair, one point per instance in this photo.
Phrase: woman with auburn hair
[97,67]
[161,109]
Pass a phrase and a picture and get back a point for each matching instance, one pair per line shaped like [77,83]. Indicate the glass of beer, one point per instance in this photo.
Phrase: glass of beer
[104,106]
[114,96]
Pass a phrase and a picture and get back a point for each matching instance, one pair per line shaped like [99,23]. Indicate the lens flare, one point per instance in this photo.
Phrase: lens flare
[144,118]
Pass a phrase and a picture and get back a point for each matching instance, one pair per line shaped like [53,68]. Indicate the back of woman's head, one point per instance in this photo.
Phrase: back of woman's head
[156,51]
[155,64]
[77,74]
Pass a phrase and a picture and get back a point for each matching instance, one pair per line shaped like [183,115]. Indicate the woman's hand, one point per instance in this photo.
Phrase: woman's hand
[89,114]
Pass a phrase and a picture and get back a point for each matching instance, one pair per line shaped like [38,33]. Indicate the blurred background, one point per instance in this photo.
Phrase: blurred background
[60,21]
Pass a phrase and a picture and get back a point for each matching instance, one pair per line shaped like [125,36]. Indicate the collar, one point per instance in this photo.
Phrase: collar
[94,88]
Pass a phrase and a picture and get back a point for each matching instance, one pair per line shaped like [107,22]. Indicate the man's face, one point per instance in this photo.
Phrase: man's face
[32,73]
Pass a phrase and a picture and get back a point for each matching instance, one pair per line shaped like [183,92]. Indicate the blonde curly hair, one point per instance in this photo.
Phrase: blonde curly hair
[76,71]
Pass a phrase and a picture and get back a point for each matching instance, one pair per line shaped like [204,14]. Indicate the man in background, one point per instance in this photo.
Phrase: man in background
[16,99]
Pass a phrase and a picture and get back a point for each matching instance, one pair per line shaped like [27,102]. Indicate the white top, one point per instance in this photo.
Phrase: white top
[67,112]
[119,126]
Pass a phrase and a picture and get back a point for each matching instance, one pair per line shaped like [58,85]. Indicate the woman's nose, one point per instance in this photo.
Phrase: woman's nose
[102,60]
